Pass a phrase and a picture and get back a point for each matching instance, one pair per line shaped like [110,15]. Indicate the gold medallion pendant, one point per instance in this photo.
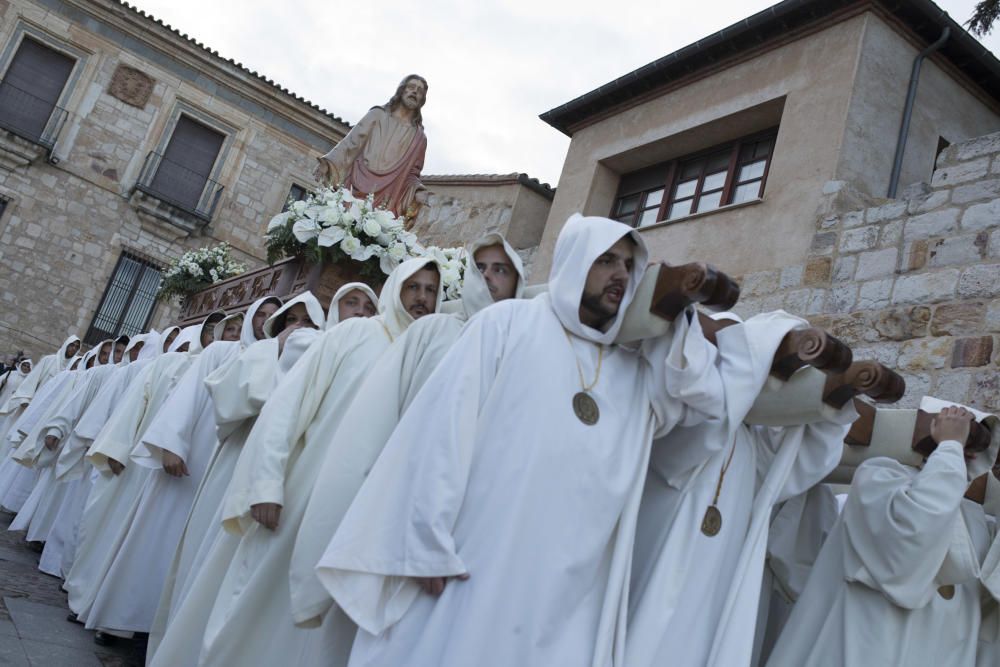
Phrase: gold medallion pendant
[712,523]
[585,408]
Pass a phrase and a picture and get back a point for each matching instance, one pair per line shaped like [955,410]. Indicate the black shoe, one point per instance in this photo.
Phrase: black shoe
[37,547]
[104,639]
[72,618]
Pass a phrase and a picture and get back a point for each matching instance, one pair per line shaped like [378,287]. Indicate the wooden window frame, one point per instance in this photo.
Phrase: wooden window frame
[673,171]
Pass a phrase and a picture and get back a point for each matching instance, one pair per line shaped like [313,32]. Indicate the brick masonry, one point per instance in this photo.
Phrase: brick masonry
[913,283]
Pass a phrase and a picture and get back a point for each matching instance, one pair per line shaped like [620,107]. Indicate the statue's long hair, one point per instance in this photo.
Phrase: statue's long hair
[397,99]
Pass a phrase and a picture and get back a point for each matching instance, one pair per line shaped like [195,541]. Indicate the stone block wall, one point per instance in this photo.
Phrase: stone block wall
[913,283]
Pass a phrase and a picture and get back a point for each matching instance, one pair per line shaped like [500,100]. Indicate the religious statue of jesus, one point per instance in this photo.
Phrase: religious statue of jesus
[384,153]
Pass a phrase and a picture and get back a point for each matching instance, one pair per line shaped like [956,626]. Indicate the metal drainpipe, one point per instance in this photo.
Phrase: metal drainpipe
[911,95]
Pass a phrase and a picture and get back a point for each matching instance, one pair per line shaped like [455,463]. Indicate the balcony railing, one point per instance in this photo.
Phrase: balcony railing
[183,188]
[30,117]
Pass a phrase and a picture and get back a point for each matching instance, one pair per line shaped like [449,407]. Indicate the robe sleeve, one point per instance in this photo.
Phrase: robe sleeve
[896,524]
[401,523]
[172,429]
[797,533]
[259,476]
[685,385]
[94,417]
[990,571]
[239,389]
[819,452]
[117,437]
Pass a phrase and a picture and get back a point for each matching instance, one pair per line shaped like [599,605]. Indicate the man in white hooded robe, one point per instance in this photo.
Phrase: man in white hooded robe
[742,472]
[250,622]
[239,392]
[114,496]
[495,273]
[496,527]
[176,446]
[897,581]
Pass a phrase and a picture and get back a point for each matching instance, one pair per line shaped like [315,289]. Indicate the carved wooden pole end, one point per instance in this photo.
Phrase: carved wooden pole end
[677,287]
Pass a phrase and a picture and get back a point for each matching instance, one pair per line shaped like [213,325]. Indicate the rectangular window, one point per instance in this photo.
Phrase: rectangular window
[182,172]
[128,300]
[30,88]
[3,206]
[721,176]
[295,193]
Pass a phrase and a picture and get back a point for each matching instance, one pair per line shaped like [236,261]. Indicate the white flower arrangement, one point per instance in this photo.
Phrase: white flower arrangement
[333,222]
[197,269]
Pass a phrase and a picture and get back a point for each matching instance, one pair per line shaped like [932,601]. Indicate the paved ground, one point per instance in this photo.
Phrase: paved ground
[33,627]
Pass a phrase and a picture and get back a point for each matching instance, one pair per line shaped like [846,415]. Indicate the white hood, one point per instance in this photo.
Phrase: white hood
[333,313]
[247,337]
[313,309]
[475,293]
[581,241]
[189,334]
[220,327]
[196,347]
[390,305]
[61,360]
[133,342]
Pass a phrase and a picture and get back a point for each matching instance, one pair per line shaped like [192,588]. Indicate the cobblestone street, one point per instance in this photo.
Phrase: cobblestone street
[33,626]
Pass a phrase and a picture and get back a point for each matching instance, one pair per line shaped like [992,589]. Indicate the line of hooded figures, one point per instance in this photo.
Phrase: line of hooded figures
[607,470]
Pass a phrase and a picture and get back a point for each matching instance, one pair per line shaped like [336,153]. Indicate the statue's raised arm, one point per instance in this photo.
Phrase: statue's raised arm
[384,153]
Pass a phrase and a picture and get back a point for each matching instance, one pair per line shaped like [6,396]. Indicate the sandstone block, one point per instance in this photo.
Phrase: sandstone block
[994,244]
[902,323]
[891,234]
[925,287]
[976,191]
[842,298]
[985,392]
[974,148]
[981,216]
[876,264]
[935,223]
[915,255]
[928,202]
[856,327]
[853,219]
[980,281]
[861,238]
[823,243]
[817,272]
[874,294]
[993,316]
[953,386]
[966,249]
[918,385]
[971,352]
[843,269]
[958,319]
[925,353]
[791,276]
[884,353]
[886,212]
[961,172]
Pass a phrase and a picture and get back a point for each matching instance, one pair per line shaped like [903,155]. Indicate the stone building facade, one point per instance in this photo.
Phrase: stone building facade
[913,282]
[786,126]
[148,145]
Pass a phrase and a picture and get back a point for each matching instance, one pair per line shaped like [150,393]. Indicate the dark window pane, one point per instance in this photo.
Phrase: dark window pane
[128,300]
[654,198]
[3,206]
[691,170]
[709,201]
[763,148]
[686,189]
[718,161]
[714,181]
[295,193]
[627,205]
[679,209]
[752,171]
[31,87]
[746,192]
[187,162]
[644,179]
[648,217]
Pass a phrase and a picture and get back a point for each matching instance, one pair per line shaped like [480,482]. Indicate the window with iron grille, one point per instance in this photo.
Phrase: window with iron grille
[729,174]
[30,89]
[295,193]
[128,300]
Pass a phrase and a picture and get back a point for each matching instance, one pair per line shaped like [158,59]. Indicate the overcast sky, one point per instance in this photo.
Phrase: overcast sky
[493,67]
